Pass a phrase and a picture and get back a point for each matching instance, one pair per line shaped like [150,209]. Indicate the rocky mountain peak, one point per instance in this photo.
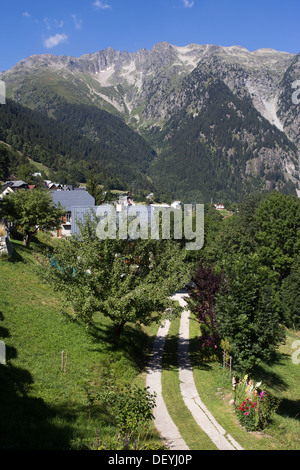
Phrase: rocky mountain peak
[150,87]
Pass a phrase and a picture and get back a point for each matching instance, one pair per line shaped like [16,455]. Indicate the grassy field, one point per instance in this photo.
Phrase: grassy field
[45,407]
[49,405]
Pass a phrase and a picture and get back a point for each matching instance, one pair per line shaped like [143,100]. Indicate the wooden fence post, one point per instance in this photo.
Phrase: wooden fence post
[225,363]
[64,360]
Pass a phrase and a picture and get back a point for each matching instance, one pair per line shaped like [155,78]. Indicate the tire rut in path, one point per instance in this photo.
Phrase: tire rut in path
[163,422]
[192,400]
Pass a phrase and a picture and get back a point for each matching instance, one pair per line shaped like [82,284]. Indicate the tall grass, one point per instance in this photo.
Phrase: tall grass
[2,230]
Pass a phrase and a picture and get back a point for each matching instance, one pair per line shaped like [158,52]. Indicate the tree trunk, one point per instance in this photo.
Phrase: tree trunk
[27,240]
[118,328]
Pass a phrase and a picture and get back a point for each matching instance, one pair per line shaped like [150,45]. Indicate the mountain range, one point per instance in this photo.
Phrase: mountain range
[206,122]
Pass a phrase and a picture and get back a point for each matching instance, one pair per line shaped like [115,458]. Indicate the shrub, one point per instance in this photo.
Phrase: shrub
[131,408]
[254,407]
[208,344]
[206,282]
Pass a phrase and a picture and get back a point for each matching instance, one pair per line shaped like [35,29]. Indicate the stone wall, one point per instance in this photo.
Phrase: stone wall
[5,246]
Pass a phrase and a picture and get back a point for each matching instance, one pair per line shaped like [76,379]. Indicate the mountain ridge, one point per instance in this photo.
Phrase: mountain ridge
[152,90]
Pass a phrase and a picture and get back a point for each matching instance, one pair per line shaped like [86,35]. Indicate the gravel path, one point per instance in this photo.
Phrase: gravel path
[163,422]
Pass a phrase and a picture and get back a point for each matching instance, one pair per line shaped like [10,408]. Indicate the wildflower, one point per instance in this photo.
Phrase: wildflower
[246,413]
[261,395]
[233,383]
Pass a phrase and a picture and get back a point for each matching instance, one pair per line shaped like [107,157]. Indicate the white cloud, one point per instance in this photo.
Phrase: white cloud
[47,23]
[100,5]
[188,3]
[53,41]
[59,24]
[26,14]
[77,22]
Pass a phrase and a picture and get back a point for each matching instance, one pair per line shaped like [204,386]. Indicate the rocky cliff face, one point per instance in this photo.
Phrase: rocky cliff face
[150,89]
[149,79]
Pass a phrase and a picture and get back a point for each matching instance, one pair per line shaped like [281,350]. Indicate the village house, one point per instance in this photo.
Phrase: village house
[71,201]
[12,186]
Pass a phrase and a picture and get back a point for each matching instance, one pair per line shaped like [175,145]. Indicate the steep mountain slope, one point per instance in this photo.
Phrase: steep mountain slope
[66,150]
[167,94]
[289,105]
[222,150]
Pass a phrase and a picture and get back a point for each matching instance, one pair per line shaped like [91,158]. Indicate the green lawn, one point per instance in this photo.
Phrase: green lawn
[43,406]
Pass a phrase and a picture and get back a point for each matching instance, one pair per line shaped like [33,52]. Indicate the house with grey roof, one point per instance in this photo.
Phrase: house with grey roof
[12,186]
[71,201]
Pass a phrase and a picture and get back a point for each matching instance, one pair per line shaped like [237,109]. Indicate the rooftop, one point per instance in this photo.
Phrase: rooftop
[69,199]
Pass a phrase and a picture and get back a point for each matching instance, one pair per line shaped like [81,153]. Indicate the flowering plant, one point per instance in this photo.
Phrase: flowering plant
[254,407]
[208,343]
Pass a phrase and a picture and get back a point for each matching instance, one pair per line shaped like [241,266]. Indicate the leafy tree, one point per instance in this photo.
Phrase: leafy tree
[93,189]
[4,162]
[290,298]
[205,286]
[24,173]
[31,211]
[236,234]
[125,280]
[246,315]
[278,232]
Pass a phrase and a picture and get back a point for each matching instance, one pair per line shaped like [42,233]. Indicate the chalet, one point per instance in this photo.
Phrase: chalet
[12,186]
[71,200]
[55,187]
[5,191]
[219,206]
[16,185]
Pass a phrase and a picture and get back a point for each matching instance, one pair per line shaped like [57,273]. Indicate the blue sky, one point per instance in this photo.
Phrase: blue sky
[76,27]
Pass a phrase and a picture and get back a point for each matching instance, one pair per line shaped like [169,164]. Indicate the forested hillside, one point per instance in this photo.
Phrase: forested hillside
[117,154]
[222,151]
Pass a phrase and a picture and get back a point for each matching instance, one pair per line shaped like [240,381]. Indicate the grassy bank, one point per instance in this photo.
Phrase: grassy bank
[44,405]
